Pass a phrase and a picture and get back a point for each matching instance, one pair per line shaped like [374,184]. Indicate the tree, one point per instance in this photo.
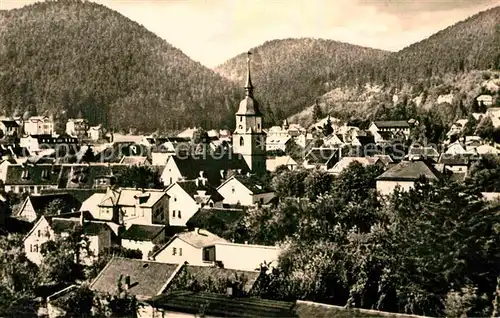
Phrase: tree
[485,129]
[77,302]
[105,256]
[470,126]
[317,112]
[141,177]
[295,151]
[55,207]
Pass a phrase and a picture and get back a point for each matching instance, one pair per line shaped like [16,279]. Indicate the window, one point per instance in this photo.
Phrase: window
[39,233]
[241,118]
[233,190]
[175,199]
[174,251]
[180,251]
[258,126]
[179,214]
[26,174]
[242,142]
[35,248]
[173,213]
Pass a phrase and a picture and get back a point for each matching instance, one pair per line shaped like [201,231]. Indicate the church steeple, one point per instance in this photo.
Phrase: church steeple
[248,84]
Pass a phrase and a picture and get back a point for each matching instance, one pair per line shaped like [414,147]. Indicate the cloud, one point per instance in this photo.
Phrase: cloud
[216,30]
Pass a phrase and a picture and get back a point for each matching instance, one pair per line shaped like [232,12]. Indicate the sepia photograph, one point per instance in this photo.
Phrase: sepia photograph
[249,158]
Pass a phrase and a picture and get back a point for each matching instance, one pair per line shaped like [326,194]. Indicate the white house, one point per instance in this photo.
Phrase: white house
[187,247]
[95,132]
[35,205]
[486,100]
[29,178]
[487,149]
[457,127]
[38,125]
[386,130]
[245,190]
[287,161]
[98,233]
[187,197]
[277,143]
[77,127]
[456,148]
[404,175]
[249,256]
[143,237]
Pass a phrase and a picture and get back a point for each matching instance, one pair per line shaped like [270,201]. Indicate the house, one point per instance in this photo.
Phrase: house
[187,247]
[62,144]
[277,131]
[214,167]
[321,158]
[134,206]
[457,127]
[142,279]
[386,130]
[47,228]
[277,143]
[287,161]
[486,100]
[95,132]
[187,197]
[135,161]
[346,161]
[188,133]
[89,176]
[91,205]
[29,178]
[38,125]
[456,163]
[333,141]
[77,127]
[404,175]
[187,304]
[143,237]
[417,152]
[10,127]
[249,256]
[35,206]
[455,148]
[245,190]
[486,149]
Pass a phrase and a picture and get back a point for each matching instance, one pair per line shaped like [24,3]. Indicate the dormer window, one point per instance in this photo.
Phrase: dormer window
[45,174]
[25,174]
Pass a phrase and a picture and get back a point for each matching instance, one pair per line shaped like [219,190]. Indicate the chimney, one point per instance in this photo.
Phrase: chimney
[127,282]
[82,219]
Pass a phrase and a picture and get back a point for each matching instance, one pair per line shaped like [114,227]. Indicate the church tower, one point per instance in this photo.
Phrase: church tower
[248,139]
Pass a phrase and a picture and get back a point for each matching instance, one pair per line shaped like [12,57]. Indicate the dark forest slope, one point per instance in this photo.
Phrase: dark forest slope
[66,57]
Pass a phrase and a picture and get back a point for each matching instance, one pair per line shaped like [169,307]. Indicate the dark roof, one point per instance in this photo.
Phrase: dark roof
[140,232]
[15,225]
[190,166]
[219,305]
[317,310]
[321,155]
[192,189]
[117,150]
[146,278]
[215,218]
[423,152]
[84,175]
[253,184]
[35,174]
[392,124]
[10,123]
[79,194]
[366,140]
[410,171]
[91,228]
[454,160]
[41,202]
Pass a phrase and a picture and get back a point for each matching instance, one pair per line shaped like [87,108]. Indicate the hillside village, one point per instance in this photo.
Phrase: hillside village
[386,207]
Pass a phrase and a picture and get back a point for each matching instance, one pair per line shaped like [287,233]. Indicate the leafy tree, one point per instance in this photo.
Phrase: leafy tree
[295,151]
[290,183]
[77,302]
[470,126]
[327,127]
[485,129]
[141,177]
[55,207]
[317,112]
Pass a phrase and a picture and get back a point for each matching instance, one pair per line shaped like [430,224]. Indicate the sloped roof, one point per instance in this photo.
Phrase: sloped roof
[392,124]
[147,278]
[10,123]
[191,166]
[41,202]
[35,174]
[192,189]
[199,238]
[423,151]
[90,227]
[141,232]
[84,175]
[346,161]
[92,202]
[410,171]
[321,155]
[218,217]
[253,184]
[456,159]
[134,160]
[127,196]
[218,305]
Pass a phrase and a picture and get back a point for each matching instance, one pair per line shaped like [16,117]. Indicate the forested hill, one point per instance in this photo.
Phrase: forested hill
[65,57]
[289,74]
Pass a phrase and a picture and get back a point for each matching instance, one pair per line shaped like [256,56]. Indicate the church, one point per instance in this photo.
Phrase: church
[248,153]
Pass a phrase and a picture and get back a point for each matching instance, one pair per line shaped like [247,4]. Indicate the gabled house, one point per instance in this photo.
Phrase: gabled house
[189,166]
[287,161]
[89,176]
[35,206]
[38,125]
[187,197]
[404,175]
[321,158]
[245,190]
[142,279]
[30,178]
[187,247]
[386,130]
[249,256]
[47,228]
[134,206]
[456,148]
[457,127]
[62,144]
[143,237]
[346,161]
[277,143]
[455,163]
[10,127]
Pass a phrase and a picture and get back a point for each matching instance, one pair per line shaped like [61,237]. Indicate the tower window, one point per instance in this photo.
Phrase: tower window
[258,126]
[242,142]
[241,118]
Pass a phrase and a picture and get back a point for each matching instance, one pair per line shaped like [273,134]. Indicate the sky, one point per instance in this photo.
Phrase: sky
[212,31]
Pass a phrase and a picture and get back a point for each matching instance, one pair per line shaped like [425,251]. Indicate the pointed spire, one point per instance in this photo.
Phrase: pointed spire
[248,84]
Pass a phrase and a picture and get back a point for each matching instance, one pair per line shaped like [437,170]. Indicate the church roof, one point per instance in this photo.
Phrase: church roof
[249,106]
